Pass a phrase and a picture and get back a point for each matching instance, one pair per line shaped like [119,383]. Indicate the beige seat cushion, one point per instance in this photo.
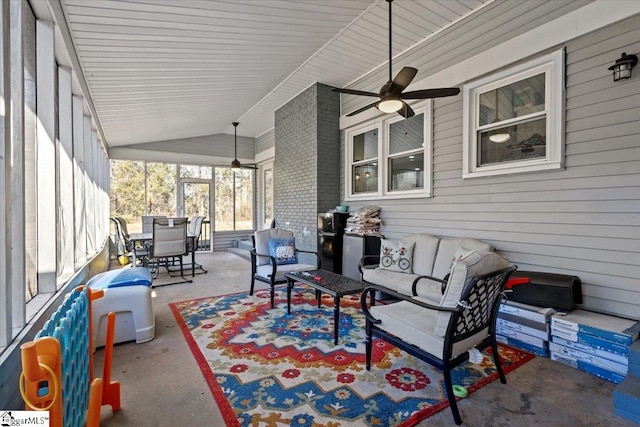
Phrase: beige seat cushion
[399,282]
[414,324]
[265,270]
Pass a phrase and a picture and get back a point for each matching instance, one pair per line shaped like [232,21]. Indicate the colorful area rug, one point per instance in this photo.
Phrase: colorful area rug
[269,368]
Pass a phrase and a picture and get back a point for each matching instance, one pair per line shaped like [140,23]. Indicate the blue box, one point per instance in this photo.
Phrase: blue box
[538,351]
[616,329]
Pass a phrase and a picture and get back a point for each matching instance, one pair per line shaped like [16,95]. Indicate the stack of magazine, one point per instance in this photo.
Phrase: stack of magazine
[593,342]
[524,326]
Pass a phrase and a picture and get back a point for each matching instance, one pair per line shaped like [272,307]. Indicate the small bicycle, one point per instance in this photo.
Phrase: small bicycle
[388,261]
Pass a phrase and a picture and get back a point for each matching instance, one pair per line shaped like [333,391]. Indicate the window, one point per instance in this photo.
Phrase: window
[364,166]
[161,189]
[406,153]
[195,171]
[514,119]
[147,188]
[127,192]
[233,199]
[30,156]
[390,159]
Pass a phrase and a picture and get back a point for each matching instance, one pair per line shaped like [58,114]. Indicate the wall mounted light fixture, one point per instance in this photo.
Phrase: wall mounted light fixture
[622,68]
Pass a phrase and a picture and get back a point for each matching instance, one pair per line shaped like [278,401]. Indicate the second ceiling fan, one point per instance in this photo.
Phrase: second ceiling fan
[391,96]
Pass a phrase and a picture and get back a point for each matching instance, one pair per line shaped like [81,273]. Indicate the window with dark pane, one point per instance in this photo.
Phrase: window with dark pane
[406,154]
[365,166]
[512,122]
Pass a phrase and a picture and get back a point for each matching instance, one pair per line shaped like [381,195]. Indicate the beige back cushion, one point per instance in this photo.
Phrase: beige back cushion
[424,252]
[448,248]
[262,241]
[467,264]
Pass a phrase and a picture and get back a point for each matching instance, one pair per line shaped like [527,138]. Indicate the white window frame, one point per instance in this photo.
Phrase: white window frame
[350,162]
[552,65]
[382,126]
[425,110]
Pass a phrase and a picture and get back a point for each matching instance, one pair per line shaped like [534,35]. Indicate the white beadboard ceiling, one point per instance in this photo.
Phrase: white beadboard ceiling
[160,70]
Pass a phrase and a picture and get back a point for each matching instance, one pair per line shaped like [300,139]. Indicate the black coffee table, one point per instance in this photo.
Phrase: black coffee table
[328,282]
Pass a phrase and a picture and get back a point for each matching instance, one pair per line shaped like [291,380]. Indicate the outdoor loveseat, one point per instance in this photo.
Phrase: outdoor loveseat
[403,264]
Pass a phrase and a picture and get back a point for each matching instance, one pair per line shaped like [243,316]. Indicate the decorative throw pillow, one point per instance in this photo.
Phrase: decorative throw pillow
[396,256]
[283,250]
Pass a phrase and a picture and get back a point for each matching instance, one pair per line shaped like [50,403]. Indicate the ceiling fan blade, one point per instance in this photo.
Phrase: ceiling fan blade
[354,92]
[406,111]
[431,93]
[405,77]
[366,107]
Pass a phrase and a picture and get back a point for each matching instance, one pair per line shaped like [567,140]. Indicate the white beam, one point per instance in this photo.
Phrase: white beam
[46,158]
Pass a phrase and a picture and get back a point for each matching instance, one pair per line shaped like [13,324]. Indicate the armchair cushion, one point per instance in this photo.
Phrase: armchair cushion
[396,255]
[466,265]
[266,270]
[415,325]
[262,242]
[283,250]
[447,250]
[397,282]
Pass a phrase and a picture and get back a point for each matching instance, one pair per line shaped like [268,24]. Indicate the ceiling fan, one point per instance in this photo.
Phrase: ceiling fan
[235,164]
[391,95]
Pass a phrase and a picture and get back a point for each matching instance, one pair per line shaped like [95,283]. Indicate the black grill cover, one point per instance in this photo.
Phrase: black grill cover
[559,291]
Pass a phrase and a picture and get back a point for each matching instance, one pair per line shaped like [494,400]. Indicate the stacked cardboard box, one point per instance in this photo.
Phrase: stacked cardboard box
[524,326]
[593,342]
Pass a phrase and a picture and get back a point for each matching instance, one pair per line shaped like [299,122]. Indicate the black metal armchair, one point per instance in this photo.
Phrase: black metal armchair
[264,265]
[441,335]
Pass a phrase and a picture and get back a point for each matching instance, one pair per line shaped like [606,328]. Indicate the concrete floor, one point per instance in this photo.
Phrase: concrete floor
[161,384]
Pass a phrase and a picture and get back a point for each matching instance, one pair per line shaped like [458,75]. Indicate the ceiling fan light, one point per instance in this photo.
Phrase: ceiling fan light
[235,164]
[390,105]
[499,137]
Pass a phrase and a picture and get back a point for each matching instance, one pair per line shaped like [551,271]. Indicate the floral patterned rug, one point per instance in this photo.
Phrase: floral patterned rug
[269,368]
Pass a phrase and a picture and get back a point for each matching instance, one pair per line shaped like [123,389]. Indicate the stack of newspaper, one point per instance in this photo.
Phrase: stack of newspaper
[364,222]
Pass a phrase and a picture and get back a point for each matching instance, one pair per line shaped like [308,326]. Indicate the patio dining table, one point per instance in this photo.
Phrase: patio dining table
[142,238]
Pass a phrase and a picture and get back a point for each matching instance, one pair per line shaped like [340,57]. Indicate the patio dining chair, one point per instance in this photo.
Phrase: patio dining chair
[121,224]
[147,222]
[275,254]
[169,243]
[441,333]
[195,230]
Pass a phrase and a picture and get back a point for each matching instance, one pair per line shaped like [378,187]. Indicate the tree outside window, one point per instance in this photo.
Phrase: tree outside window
[139,188]
[233,199]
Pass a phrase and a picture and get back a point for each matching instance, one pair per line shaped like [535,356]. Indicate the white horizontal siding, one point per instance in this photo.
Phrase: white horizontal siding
[224,240]
[266,141]
[583,220]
